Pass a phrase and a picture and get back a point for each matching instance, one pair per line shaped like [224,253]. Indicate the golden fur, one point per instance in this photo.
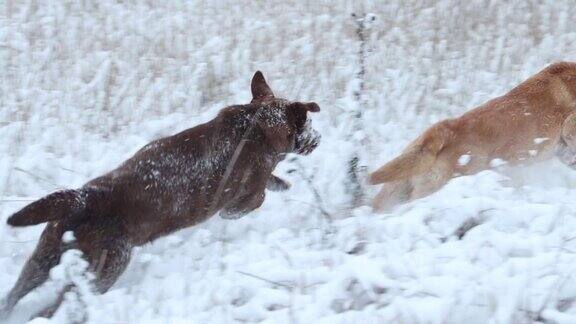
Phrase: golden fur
[524,125]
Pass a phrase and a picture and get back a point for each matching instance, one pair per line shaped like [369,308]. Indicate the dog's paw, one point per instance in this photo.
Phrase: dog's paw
[228,215]
[277,184]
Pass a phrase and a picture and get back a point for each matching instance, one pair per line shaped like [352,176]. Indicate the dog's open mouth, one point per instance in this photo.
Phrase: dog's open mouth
[305,150]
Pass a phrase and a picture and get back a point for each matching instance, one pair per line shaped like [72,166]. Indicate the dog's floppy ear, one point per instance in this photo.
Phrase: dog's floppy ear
[297,112]
[305,106]
[260,89]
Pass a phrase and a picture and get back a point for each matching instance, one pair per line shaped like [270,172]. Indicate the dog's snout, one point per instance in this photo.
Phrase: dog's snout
[307,141]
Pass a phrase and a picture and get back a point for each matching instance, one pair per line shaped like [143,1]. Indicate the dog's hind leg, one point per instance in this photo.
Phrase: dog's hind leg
[392,194]
[107,270]
[37,268]
[110,264]
[277,184]
[49,311]
[108,253]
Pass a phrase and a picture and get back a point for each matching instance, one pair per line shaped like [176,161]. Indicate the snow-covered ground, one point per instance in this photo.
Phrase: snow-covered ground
[84,84]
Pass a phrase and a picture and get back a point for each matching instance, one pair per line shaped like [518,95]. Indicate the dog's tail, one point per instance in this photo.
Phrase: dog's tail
[60,205]
[418,159]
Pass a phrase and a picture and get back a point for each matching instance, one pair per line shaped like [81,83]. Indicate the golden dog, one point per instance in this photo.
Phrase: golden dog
[524,125]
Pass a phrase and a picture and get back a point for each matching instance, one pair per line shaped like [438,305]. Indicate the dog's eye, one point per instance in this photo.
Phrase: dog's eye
[301,121]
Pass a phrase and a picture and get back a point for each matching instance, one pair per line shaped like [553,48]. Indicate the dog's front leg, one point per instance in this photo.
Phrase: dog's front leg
[242,206]
[277,184]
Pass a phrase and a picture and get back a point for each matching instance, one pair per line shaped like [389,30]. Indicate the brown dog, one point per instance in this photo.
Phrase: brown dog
[521,126]
[172,183]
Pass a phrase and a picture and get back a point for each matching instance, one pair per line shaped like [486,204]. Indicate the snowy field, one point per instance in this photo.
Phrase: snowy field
[84,84]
